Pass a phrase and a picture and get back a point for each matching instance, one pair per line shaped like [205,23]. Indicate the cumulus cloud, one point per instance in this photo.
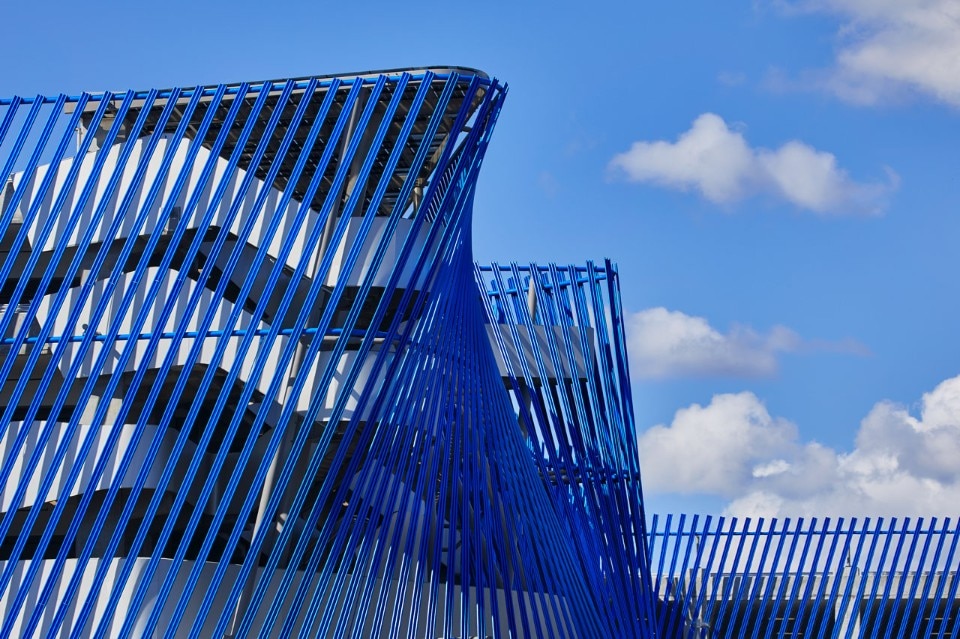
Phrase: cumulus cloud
[901,464]
[887,47]
[715,449]
[717,161]
[664,343]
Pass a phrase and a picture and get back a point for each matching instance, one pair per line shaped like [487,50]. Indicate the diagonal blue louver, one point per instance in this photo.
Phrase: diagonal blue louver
[253,384]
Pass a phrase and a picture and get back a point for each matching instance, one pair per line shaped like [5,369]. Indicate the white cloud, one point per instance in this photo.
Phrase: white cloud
[718,162]
[714,449]
[664,343]
[887,47]
[733,448]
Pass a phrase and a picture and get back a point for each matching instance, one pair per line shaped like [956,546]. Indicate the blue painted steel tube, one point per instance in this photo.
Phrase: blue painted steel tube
[566,413]
[828,593]
[928,537]
[245,184]
[541,416]
[34,458]
[154,503]
[877,619]
[234,89]
[244,456]
[338,408]
[204,177]
[712,596]
[750,596]
[628,458]
[50,368]
[477,472]
[99,468]
[525,416]
[22,336]
[808,627]
[45,329]
[627,426]
[855,561]
[908,561]
[34,354]
[120,419]
[797,573]
[561,410]
[18,144]
[942,579]
[734,568]
[519,307]
[756,536]
[276,556]
[374,453]
[428,243]
[869,562]
[478,535]
[73,220]
[242,348]
[627,607]
[9,263]
[252,494]
[421,385]
[951,608]
[13,106]
[770,579]
[367,536]
[707,590]
[837,575]
[40,240]
[194,299]
[669,593]
[679,595]
[800,593]
[91,438]
[167,529]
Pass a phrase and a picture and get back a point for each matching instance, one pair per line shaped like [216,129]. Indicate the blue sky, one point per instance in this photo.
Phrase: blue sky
[775,179]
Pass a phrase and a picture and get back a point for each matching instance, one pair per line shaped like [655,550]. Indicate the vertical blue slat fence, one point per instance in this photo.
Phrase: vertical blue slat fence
[838,578]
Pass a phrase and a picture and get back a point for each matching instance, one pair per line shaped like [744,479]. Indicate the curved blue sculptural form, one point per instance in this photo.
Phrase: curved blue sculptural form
[254,385]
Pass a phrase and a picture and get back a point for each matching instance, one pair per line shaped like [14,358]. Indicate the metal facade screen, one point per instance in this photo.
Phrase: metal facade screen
[254,385]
